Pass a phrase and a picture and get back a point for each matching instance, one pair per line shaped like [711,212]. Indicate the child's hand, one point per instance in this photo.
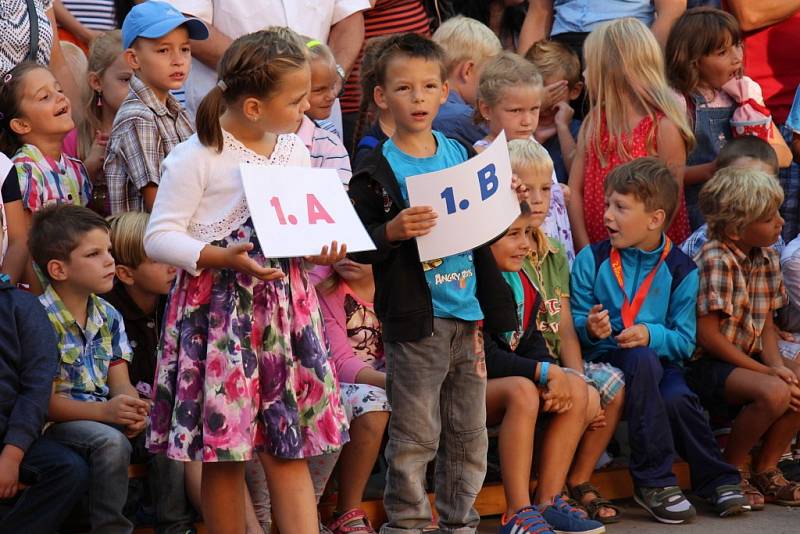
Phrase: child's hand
[564,113]
[411,222]
[519,188]
[134,429]
[567,192]
[238,260]
[784,373]
[599,420]
[325,257]
[98,149]
[124,410]
[784,335]
[9,473]
[554,93]
[636,336]
[598,324]
[794,403]
[556,395]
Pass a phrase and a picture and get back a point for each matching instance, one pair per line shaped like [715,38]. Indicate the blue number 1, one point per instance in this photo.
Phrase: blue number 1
[447,195]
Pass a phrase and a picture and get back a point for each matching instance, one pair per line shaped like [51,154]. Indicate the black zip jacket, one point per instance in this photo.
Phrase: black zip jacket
[402,296]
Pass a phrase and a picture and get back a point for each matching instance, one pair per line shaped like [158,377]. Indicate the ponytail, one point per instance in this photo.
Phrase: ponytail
[252,66]
[208,129]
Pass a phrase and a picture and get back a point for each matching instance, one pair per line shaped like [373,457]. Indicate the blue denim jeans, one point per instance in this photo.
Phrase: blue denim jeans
[437,389]
[108,453]
[165,479]
[57,478]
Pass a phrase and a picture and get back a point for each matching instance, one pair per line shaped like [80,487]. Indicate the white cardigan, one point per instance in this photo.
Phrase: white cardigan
[201,198]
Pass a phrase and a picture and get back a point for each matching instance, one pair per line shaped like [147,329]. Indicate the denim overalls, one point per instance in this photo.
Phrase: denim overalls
[712,129]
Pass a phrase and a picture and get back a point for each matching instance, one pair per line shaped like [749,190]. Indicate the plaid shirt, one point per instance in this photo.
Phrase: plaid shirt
[44,180]
[86,353]
[144,132]
[744,289]
[694,243]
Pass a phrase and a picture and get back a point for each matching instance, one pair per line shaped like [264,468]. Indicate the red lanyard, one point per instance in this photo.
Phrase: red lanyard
[631,309]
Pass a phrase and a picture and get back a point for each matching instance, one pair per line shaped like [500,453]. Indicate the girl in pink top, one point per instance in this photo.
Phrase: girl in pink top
[354,335]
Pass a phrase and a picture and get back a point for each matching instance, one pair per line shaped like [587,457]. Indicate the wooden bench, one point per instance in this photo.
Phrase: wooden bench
[613,482]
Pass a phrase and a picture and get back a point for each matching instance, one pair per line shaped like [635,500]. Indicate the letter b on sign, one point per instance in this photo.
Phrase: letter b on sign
[487,179]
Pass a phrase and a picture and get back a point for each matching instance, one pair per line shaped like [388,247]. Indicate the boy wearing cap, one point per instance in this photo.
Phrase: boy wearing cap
[150,122]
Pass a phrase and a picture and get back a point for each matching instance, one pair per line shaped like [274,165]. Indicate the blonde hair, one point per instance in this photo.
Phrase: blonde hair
[77,64]
[464,39]
[735,197]
[625,64]
[318,50]
[105,49]
[127,238]
[504,71]
[552,57]
[528,154]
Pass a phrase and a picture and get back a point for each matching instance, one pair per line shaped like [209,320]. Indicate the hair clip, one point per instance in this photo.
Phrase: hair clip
[312,43]
[222,85]
[7,78]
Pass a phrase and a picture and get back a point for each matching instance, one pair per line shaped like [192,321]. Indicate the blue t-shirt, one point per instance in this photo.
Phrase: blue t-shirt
[451,279]
[456,118]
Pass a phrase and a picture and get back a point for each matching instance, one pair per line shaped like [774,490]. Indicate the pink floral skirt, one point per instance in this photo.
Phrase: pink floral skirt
[243,367]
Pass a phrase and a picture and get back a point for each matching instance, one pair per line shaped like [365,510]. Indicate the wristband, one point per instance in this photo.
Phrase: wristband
[543,369]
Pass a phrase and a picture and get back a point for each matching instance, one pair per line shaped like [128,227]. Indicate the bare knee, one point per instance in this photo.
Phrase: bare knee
[579,391]
[371,424]
[522,395]
[775,397]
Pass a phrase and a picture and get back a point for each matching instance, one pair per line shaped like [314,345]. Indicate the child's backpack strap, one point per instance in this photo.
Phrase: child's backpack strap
[368,141]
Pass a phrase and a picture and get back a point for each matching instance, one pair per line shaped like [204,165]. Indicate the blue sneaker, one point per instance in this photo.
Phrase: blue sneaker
[566,519]
[526,520]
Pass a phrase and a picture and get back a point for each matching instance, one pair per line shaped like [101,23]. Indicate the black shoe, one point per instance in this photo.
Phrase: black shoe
[790,469]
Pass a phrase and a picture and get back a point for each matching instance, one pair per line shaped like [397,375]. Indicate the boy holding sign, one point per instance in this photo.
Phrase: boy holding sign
[429,312]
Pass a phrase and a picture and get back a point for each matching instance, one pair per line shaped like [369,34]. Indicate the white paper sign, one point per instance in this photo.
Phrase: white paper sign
[474,201]
[5,166]
[298,210]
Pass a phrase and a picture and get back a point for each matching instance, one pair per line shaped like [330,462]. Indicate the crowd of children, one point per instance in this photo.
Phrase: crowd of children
[164,335]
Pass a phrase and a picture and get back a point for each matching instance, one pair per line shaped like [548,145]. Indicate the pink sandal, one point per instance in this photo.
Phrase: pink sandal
[354,521]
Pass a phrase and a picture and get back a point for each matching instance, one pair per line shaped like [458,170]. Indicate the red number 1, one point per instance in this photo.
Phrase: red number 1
[276,204]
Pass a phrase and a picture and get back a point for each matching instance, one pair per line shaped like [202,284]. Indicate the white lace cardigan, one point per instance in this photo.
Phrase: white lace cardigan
[201,198]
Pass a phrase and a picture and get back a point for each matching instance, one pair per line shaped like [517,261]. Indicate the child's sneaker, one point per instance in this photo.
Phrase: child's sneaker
[566,519]
[667,505]
[730,500]
[526,520]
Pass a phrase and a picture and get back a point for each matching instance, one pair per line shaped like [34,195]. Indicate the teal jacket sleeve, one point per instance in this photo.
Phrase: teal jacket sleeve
[675,340]
[582,296]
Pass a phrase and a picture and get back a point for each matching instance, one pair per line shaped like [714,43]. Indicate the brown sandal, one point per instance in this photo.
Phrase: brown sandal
[593,506]
[776,488]
[751,493]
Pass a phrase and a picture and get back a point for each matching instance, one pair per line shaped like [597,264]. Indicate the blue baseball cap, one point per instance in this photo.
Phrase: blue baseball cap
[156,19]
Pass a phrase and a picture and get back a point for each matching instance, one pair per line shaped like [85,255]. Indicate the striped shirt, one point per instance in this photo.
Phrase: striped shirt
[386,18]
[44,180]
[327,150]
[94,14]
[144,132]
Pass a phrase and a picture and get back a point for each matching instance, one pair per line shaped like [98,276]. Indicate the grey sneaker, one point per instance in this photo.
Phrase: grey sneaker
[667,505]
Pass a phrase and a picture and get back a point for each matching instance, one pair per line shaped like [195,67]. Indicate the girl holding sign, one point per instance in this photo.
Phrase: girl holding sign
[243,368]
